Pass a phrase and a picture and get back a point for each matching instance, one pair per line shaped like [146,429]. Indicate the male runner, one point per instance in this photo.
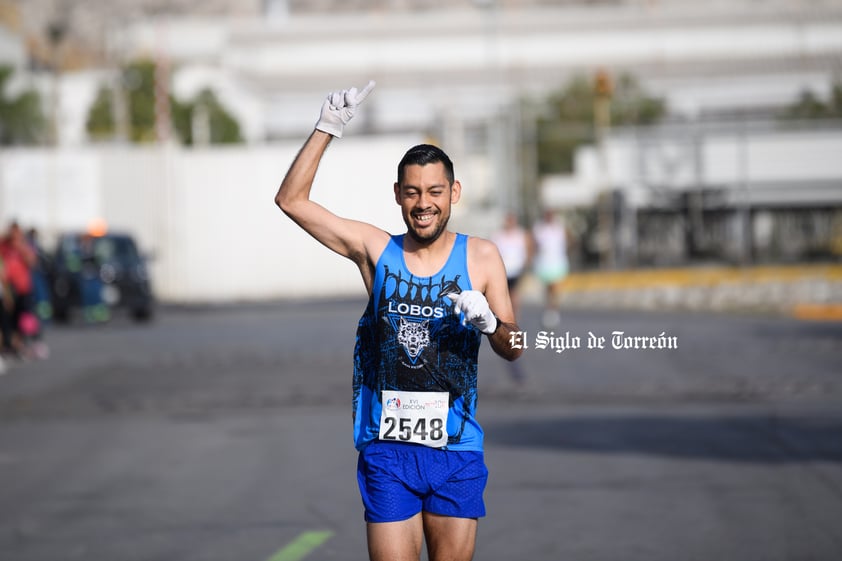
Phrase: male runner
[433,294]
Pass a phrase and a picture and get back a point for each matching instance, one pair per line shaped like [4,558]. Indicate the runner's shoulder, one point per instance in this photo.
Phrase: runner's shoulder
[482,249]
[375,241]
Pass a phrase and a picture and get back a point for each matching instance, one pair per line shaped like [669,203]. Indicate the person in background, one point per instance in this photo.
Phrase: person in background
[6,306]
[40,285]
[18,259]
[551,264]
[94,310]
[516,248]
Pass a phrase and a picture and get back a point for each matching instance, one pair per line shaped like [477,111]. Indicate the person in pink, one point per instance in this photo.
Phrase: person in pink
[18,260]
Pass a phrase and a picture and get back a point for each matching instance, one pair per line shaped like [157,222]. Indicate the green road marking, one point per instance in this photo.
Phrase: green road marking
[301,546]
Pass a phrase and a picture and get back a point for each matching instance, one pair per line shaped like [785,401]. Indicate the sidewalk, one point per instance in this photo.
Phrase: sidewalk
[811,292]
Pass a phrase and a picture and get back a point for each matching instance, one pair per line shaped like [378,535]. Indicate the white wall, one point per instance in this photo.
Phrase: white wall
[208,216]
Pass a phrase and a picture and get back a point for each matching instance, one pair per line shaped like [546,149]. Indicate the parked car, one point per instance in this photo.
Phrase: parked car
[96,274]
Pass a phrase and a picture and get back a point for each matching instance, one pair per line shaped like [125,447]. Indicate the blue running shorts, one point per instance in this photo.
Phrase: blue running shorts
[398,480]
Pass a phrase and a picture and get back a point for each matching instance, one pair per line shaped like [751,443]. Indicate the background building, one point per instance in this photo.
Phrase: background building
[718,176]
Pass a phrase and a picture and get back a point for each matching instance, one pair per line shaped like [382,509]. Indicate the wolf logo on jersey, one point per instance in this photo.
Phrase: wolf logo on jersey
[414,336]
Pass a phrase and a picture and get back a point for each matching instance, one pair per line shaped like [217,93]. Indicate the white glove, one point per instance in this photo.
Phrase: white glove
[339,107]
[477,312]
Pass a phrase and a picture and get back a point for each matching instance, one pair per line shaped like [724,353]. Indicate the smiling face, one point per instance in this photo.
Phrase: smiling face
[425,196]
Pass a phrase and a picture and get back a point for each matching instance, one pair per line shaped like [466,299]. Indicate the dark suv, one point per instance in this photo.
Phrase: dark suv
[99,271]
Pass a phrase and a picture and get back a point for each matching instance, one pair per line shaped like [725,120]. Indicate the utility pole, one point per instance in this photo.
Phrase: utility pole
[56,32]
[603,89]
[114,48]
[162,87]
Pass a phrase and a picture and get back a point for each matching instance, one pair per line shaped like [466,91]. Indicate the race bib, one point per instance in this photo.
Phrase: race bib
[418,417]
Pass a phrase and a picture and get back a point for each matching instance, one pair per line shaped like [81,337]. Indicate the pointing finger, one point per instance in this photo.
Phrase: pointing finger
[366,90]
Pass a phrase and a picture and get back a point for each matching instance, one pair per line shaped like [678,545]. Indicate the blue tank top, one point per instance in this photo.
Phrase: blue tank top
[409,339]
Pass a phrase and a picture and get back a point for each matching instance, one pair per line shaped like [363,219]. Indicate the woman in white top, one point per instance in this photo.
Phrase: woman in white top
[516,248]
[551,264]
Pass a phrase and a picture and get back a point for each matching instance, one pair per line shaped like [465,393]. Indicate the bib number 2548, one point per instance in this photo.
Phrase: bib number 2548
[417,417]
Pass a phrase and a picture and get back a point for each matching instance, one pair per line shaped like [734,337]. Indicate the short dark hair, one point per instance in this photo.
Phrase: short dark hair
[424,154]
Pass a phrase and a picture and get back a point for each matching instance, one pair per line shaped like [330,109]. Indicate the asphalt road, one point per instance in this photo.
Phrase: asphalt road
[221,434]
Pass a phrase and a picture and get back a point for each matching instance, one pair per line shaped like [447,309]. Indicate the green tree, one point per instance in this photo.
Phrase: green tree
[808,106]
[811,106]
[138,80]
[222,127]
[100,122]
[568,121]
[22,119]
[836,99]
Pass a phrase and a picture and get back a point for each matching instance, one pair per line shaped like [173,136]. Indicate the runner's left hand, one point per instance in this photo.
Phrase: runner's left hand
[474,306]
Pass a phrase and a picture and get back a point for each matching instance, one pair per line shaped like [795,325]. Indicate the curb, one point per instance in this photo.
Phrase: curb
[809,292]
[706,277]
[817,312]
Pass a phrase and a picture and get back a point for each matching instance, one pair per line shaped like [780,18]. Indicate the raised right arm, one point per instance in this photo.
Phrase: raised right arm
[349,238]
[360,242]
